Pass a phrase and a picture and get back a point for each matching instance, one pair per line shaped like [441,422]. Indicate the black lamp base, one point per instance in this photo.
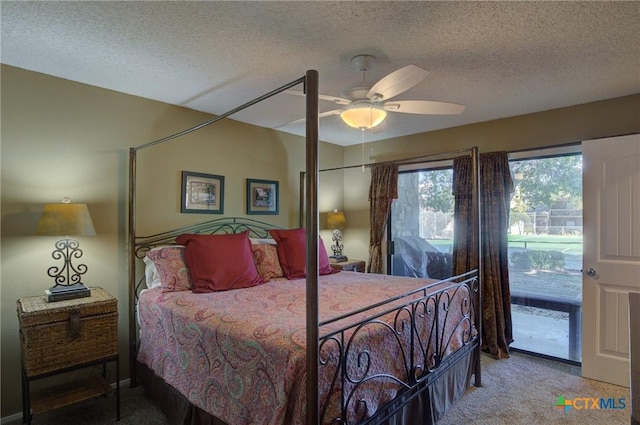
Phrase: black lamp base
[338,258]
[67,292]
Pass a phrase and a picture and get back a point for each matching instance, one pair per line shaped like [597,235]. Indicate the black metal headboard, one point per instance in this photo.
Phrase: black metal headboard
[226,225]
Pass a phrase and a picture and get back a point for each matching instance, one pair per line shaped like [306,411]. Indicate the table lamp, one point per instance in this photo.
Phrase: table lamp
[337,222]
[66,219]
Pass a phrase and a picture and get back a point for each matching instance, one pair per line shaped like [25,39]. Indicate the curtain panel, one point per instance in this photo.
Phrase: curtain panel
[496,186]
[382,191]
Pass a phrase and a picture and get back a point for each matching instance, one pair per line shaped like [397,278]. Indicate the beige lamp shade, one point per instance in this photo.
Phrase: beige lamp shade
[363,116]
[336,220]
[65,219]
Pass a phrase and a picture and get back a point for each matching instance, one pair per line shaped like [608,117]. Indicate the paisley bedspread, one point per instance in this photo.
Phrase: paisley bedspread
[240,354]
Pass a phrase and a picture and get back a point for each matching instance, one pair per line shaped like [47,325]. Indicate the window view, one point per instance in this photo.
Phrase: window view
[545,246]
[545,255]
[422,224]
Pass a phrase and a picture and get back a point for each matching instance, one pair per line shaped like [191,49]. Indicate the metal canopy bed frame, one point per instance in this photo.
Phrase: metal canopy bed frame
[417,377]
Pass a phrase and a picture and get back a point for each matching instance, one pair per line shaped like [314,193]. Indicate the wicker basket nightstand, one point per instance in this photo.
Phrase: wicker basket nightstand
[62,336]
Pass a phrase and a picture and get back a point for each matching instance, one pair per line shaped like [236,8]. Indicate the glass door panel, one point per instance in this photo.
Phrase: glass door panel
[545,256]
[421,230]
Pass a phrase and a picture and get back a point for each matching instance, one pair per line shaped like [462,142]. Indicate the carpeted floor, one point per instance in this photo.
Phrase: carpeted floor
[135,409]
[524,390]
[519,390]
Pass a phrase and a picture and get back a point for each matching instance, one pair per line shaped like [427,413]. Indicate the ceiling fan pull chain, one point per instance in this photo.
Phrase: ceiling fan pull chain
[362,130]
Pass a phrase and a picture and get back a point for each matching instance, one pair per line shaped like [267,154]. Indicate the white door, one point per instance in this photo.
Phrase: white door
[611,259]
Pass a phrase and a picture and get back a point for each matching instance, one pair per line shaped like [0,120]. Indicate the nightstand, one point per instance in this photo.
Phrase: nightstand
[64,336]
[350,265]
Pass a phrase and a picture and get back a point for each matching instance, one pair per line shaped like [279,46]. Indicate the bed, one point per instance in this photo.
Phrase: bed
[322,347]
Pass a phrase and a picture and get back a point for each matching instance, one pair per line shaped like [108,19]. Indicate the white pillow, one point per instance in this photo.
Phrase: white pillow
[151,273]
[258,241]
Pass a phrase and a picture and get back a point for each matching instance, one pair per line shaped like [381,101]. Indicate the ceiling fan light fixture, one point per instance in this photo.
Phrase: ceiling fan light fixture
[363,116]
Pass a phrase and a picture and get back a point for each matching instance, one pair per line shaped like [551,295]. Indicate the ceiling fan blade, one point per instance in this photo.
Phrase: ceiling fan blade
[320,115]
[334,99]
[424,107]
[397,82]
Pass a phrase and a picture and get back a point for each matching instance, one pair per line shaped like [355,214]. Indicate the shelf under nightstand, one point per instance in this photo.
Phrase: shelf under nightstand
[61,395]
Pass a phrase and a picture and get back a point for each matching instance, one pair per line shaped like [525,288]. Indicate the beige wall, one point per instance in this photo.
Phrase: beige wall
[61,138]
[550,128]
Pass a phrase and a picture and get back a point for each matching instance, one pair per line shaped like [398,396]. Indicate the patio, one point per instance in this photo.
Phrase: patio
[542,331]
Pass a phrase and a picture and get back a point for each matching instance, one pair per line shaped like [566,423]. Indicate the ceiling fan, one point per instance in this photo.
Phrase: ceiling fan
[366,105]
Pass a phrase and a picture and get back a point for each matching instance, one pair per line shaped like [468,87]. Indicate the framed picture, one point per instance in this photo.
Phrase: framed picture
[202,193]
[262,197]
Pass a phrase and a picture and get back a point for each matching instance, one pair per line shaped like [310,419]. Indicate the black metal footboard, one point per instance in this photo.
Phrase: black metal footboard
[371,369]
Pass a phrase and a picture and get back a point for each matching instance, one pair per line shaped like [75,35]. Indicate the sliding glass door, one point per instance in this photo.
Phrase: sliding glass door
[421,231]
[545,245]
[545,256]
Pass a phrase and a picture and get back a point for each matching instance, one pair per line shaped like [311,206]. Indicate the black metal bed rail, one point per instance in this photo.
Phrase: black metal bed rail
[455,282]
[396,352]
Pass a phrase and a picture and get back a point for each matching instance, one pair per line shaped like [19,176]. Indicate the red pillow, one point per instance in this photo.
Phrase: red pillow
[292,252]
[220,262]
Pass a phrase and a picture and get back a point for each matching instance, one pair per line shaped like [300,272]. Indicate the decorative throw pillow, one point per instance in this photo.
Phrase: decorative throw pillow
[292,252]
[171,267]
[220,262]
[266,258]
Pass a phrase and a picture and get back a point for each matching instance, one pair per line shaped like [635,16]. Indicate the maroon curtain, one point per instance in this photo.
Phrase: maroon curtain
[495,189]
[382,191]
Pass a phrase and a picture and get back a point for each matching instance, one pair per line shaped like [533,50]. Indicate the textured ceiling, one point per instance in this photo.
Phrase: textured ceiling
[499,59]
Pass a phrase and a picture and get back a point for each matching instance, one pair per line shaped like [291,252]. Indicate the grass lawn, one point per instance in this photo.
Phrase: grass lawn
[569,244]
[443,245]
